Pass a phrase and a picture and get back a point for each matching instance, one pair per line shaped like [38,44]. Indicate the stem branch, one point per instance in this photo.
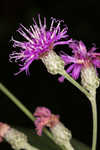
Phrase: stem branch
[69,78]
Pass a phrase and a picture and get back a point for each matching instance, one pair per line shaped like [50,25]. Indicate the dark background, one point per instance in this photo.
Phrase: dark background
[42,88]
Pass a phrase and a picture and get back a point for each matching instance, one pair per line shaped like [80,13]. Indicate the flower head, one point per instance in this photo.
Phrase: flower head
[39,42]
[81,59]
[44,117]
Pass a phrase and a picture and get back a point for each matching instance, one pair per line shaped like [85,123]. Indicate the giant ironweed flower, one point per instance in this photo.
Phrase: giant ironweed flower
[82,61]
[39,44]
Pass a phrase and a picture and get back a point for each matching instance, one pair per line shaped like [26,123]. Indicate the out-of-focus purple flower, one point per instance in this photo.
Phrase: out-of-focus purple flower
[80,58]
[39,42]
[3,130]
[44,117]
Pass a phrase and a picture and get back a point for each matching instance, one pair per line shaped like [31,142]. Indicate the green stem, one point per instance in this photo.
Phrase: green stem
[69,78]
[16,102]
[94,126]
[20,106]
[94,111]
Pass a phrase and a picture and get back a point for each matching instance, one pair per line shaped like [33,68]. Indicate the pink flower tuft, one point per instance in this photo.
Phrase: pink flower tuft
[44,117]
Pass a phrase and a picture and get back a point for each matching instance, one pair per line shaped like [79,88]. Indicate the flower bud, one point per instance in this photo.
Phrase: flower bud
[62,135]
[15,138]
[18,140]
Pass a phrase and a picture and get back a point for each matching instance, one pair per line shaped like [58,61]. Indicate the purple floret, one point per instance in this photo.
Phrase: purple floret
[39,41]
[80,58]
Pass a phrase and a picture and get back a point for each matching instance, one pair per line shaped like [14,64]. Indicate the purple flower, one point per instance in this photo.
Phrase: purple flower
[44,117]
[39,41]
[81,58]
